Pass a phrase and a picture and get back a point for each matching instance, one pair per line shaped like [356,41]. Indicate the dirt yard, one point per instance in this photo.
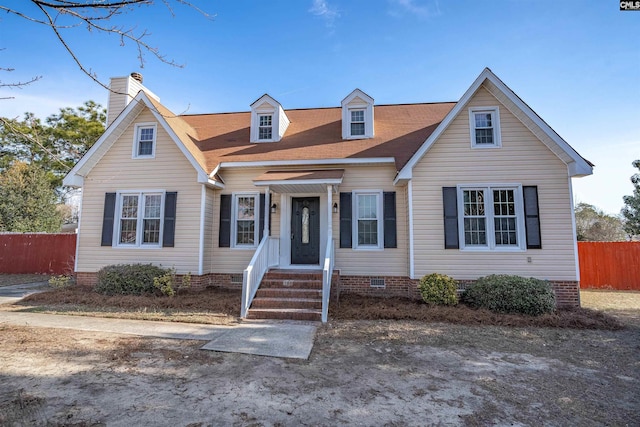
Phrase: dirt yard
[360,372]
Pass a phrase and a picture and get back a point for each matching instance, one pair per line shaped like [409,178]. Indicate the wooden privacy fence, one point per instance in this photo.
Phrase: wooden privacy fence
[39,253]
[609,265]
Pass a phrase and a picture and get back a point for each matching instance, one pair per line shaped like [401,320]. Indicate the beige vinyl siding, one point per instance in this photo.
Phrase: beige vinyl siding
[209,217]
[522,159]
[117,98]
[235,260]
[117,171]
[387,262]
[364,262]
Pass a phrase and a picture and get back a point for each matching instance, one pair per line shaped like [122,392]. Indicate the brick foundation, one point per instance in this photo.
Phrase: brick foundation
[567,292]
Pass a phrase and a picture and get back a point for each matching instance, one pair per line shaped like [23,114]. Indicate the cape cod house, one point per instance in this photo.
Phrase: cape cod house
[364,197]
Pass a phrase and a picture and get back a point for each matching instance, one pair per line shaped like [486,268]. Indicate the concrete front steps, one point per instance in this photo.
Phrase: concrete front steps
[288,295]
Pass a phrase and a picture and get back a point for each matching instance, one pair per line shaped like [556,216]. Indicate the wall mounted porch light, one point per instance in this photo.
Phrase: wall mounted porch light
[274,207]
[335,207]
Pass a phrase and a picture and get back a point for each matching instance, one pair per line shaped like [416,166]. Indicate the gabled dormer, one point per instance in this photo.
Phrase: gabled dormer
[268,120]
[357,116]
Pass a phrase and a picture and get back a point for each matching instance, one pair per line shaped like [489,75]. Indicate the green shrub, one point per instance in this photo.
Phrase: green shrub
[165,283]
[439,289]
[185,282]
[511,294]
[129,279]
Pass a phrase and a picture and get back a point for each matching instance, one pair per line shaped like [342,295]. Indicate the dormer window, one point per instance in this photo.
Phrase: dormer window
[265,129]
[357,116]
[268,120]
[144,141]
[357,122]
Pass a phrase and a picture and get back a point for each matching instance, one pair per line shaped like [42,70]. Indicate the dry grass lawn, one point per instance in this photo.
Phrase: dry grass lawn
[422,370]
[221,306]
[610,300]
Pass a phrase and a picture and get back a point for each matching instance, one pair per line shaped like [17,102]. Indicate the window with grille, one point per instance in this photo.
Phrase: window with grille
[367,217]
[484,125]
[140,219]
[245,220]
[357,122]
[265,127]
[145,141]
[491,217]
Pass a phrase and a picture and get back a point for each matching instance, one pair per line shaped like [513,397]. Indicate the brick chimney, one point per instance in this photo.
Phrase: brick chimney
[121,91]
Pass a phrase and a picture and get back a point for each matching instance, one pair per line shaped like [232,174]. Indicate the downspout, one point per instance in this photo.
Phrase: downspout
[410,208]
[203,202]
[575,237]
[75,261]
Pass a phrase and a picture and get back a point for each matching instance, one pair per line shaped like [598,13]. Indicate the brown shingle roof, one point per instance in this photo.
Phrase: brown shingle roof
[316,134]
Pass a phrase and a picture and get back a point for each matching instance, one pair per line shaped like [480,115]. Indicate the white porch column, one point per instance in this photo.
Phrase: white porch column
[329,212]
[267,210]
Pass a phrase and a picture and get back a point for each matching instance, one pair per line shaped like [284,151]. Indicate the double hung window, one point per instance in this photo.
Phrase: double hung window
[491,217]
[357,122]
[140,219]
[485,127]
[368,219]
[265,126]
[245,220]
[145,140]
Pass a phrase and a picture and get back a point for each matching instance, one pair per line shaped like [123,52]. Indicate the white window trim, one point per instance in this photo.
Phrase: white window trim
[364,121]
[234,221]
[136,133]
[495,121]
[273,129]
[354,216]
[140,219]
[489,215]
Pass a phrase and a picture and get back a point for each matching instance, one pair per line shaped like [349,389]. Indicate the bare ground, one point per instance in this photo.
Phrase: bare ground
[360,372]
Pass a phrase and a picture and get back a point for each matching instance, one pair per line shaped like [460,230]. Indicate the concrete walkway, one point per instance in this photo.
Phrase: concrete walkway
[266,338]
[14,293]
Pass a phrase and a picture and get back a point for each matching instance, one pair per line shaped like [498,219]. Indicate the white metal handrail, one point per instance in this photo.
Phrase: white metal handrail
[264,257]
[327,274]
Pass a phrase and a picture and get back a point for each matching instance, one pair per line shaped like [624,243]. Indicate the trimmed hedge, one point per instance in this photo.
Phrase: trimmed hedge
[511,294]
[439,289]
[129,279]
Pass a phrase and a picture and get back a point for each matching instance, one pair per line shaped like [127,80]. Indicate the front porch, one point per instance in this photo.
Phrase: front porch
[295,268]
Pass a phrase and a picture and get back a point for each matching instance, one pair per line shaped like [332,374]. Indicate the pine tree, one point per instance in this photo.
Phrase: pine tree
[27,200]
[631,210]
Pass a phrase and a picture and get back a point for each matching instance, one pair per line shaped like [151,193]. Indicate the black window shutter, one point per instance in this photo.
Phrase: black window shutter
[450,204]
[108,219]
[389,214]
[225,221]
[532,217]
[169,229]
[345,220]
[261,219]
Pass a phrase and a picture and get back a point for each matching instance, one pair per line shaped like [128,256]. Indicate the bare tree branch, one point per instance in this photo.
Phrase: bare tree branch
[94,16]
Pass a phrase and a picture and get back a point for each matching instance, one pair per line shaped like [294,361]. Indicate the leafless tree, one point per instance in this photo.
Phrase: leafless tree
[95,16]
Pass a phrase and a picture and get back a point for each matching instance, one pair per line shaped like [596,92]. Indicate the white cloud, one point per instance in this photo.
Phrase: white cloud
[322,9]
[421,10]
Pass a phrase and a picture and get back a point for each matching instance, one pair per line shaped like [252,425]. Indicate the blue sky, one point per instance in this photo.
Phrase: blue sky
[576,63]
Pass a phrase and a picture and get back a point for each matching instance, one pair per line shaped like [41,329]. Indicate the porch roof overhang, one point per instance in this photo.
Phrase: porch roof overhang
[300,181]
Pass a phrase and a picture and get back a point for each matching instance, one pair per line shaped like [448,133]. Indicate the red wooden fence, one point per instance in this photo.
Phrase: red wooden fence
[37,253]
[609,265]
